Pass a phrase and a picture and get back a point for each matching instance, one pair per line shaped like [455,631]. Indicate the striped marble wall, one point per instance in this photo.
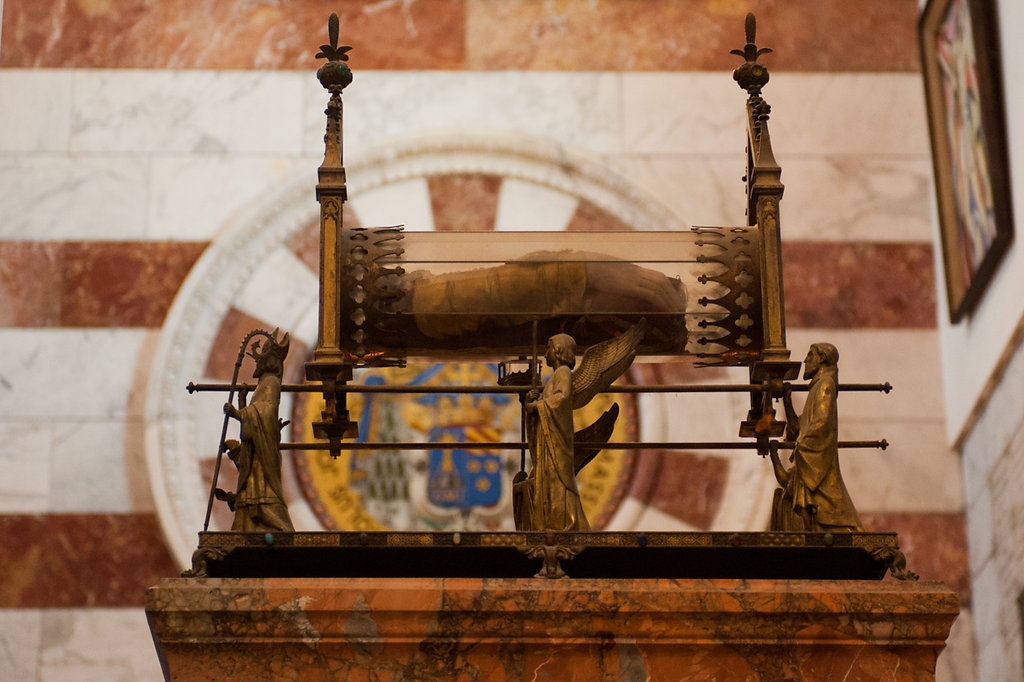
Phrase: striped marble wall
[137,136]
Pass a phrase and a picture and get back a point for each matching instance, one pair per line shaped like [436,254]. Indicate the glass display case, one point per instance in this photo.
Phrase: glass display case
[500,294]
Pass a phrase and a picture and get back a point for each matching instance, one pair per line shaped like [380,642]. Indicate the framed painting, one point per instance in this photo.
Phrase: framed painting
[963,86]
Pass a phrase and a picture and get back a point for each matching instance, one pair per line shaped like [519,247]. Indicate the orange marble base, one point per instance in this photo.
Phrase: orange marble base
[512,629]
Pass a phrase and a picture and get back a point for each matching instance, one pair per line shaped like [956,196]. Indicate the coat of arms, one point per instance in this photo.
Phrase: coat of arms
[443,489]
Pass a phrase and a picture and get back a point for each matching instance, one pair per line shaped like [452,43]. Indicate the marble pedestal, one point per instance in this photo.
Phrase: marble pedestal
[534,629]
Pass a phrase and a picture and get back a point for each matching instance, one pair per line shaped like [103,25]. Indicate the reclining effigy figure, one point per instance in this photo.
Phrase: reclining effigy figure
[492,309]
[544,285]
[405,294]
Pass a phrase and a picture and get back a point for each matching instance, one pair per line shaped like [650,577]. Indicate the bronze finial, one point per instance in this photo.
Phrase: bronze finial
[752,76]
[327,366]
[335,72]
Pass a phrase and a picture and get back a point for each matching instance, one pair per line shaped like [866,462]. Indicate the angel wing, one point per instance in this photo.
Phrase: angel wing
[598,433]
[605,362]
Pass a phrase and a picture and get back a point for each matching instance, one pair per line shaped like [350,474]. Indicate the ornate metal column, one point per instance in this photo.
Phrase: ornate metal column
[328,366]
[764,191]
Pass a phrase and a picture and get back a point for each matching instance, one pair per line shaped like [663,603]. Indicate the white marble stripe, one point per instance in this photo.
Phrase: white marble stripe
[192,197]
[578,108]
[203,112]
[51,196]
[918,472]
[172,155]
[97,644]
[828,197]
[66,419]
[25,466]
[67,373]
[35,109]
[812,114]
[208,112]
[280,291]
[906,358]
[405,202]
[21,633]
[526,206]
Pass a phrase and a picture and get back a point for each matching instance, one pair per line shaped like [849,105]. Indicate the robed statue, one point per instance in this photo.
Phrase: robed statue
[812,495]
[547,499]
[258,501]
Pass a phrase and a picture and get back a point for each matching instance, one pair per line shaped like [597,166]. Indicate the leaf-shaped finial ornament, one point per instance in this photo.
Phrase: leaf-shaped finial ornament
[332,52]
[334,73]
[750,51]
[750,75]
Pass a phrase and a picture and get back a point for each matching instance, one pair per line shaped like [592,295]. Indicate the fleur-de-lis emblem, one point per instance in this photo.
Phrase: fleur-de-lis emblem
[751,75]
[334,73]
[332,52]
[750,51]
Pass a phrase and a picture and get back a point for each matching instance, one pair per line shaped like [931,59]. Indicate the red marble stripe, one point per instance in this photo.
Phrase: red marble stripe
[462,203]
[91,284]
[935,545]
[132,284]
[225,34]
[305,244]
[684,485]
[686,35]
[123,284]
[29,272]
[643,35]
[221,516]
[590,218]
[80,560]
[859,284]
[223,354]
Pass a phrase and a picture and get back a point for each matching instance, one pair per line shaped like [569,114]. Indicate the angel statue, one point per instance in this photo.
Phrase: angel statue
[258,502]
[547,499]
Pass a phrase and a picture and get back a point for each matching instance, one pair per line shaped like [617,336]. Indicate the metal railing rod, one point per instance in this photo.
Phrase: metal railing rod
[653,388]
[516,445]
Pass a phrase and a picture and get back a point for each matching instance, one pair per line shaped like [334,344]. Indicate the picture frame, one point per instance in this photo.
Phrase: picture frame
[960,57]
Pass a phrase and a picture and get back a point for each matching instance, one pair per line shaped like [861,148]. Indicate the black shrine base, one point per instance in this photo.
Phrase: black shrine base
[779,556]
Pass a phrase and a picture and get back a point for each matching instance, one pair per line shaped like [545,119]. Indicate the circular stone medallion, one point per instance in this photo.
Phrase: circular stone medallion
[442,489]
